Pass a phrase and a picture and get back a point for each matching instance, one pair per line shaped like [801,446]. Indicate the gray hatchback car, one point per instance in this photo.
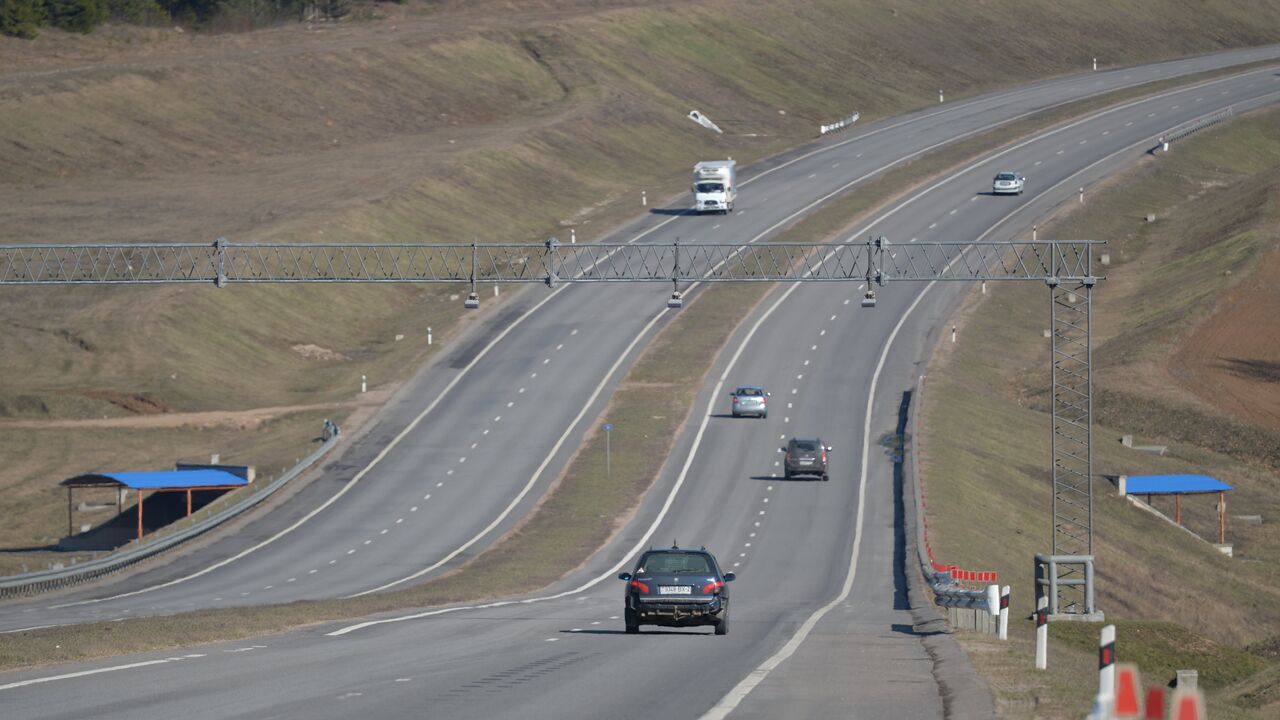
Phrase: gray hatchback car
[750,400]
[806,456]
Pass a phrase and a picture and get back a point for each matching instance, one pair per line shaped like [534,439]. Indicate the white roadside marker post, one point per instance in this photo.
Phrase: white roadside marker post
[1042,633]
[1004,613]
[428,334]
[364,383]
[1107,668]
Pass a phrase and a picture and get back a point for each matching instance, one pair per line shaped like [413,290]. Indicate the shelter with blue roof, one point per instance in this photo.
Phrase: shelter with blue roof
[1177,486]
[202,482]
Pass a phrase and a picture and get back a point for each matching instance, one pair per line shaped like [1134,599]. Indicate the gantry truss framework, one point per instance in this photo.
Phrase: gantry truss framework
[1064,265]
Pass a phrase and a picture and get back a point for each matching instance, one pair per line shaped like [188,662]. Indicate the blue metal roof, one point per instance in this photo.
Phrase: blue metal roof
[1170,484]
[171,479]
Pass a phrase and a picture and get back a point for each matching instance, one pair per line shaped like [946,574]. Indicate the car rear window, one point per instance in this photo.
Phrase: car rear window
[750,392]
[676,563]
[1005,176]
[806,446]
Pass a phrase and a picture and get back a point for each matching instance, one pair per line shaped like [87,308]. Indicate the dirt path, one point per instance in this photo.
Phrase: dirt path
[363,406]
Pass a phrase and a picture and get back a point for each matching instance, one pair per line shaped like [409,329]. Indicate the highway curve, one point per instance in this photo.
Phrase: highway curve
[818,559]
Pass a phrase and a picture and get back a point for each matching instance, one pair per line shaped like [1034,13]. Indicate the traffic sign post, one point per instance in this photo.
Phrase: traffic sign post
[608,461]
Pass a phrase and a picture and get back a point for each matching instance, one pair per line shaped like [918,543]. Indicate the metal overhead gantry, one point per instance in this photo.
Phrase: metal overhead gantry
[1065,266]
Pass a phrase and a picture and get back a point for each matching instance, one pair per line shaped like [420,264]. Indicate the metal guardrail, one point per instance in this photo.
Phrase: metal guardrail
[840,124]
[1179,132]
[947,592]
[46,580]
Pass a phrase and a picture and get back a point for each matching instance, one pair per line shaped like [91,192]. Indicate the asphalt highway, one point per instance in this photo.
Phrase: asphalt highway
[819,623]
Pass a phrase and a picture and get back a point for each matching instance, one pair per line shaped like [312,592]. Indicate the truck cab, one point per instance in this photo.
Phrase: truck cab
[714,186]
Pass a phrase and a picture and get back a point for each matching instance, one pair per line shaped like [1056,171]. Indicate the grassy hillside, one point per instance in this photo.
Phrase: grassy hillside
[1207,264]
[448,121]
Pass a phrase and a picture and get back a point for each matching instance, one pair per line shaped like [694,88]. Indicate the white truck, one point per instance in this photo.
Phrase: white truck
[715,186]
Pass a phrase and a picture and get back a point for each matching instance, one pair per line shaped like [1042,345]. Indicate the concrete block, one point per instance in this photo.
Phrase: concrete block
[1126,440]
[1248,519]
[1151,217]
[1226,549]
[1187,679]
[1105,259]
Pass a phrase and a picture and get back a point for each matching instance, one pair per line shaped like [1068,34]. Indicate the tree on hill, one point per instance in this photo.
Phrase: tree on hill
[76,15]
[21,18]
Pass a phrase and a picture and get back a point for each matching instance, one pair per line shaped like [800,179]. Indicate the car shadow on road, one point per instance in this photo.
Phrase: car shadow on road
[691,632]
[672,211]
[796,479]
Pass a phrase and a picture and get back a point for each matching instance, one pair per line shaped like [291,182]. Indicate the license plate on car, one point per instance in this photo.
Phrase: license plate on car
[806,462]
[674,590]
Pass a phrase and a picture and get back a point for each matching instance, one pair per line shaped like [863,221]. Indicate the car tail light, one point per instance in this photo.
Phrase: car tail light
[824,457]
[640,586]
[787,457]
[712,587]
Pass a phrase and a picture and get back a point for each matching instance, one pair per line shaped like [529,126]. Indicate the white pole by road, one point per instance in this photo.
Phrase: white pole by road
[1107,666]
[1042,633]
[1004,613]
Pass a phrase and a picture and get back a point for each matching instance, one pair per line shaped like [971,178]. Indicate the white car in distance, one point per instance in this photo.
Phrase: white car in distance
[1008,183]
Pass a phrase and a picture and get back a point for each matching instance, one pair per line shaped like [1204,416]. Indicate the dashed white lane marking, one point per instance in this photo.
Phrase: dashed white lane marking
[973,199]
[268,587]
[366,542]
[762,512]
[510,403]
[835,165]
[403,679]
[788,406]
[782,437]
[1151,114]
[1038,162]
[439,484]
[1175,107]
[757,523]
[415,507]
[352,551]
[765,499]
[846,301]
[447,472]
[953,211]
[332,562]
[383,531]
[462,459]
[800,376]
[399,520]
[751,535]
[822,332]
[521,390]
[742,554]
[776,463]
[309,572]
[858,155]
[486,431]
[595,622]
[1060,152]
[345,696]
[574,331]
[546,360]
[560,346]
[1199,99]
[746,544]
[473,445]
[716,226]
[769,487]
[1083,142]
[533,375]
[613,617]
[498,419]
[737,564]
[1106,132]
[812,348]
[1128,124]
[933,225]
[244,594]
[833,317]
[811,176]
[794,391]
[786,420]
